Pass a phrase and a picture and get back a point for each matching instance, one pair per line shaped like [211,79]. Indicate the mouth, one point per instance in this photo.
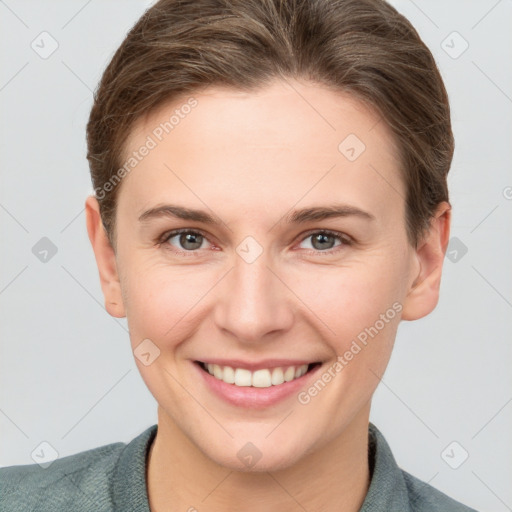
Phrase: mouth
[258,378]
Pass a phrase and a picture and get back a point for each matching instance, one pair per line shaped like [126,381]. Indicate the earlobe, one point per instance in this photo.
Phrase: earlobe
[423,294]
[105,259]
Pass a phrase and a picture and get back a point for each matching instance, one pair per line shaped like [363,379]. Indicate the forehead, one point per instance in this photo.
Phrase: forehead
[281,144]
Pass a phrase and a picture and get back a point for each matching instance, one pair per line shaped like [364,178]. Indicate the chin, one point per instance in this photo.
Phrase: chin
[262,466]
[250,459]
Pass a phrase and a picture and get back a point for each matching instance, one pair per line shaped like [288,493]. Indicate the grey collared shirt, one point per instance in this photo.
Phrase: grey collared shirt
[112,478]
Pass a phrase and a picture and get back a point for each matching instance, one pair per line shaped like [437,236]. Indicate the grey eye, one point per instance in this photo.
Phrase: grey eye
[189,241]
[322,241]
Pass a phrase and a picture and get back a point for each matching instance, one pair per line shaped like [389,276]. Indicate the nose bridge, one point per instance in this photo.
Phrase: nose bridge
[253,301]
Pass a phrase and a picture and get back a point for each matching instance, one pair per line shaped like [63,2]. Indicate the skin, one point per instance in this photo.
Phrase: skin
[248,159]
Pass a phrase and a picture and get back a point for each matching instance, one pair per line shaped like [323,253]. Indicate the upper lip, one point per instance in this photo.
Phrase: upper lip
[257,365]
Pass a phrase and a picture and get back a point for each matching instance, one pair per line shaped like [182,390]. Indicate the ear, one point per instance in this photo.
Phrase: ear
[105,259]
[423,293]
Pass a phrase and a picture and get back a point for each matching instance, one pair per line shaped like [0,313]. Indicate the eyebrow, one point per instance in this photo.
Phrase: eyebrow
[303,215]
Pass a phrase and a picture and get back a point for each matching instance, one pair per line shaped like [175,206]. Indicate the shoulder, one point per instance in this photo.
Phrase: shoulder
[82,478]
[423,497]
[392,488]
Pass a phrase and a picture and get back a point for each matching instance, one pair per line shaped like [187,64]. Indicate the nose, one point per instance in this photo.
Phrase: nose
[254,304]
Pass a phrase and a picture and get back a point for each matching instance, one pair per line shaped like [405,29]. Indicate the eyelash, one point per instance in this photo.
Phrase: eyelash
[345,239]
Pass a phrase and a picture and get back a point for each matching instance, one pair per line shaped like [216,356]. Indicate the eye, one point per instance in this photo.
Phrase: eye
[184,240]
[189,242]
[325,240]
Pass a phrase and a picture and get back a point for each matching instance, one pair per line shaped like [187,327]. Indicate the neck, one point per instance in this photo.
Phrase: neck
[335,477]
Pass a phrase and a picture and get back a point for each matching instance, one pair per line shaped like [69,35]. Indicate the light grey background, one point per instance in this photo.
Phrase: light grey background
[67,374]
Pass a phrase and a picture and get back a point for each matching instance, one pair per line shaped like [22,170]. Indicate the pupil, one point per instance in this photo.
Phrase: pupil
[322,238]
[190,238]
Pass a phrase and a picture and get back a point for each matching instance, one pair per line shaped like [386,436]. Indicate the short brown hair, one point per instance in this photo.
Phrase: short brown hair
[361,47]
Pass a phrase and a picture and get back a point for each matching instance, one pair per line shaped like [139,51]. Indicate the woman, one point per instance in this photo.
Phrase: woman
[270,202]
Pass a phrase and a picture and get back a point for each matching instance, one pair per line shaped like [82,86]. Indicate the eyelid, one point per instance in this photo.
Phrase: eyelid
[338,234]
[344,238]
[165,237]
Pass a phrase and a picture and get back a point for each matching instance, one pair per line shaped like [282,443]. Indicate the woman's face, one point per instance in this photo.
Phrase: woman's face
[261,277]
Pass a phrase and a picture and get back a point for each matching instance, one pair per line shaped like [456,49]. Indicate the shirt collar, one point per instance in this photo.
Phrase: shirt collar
[388,490]
[129,487]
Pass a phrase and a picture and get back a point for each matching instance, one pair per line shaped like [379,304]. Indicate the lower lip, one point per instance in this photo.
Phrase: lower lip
[251,397]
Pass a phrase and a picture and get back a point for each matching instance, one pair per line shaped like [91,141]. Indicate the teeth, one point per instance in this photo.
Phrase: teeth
[242,377]
[263,378]
[217,371]
[289,374]
[277,376]
[300,371]
[228,375]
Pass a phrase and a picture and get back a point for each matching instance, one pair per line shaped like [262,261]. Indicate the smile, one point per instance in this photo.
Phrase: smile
[261,378]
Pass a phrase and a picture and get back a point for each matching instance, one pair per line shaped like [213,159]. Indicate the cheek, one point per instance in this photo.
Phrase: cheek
[358,312]
[349,299]
[161,300]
